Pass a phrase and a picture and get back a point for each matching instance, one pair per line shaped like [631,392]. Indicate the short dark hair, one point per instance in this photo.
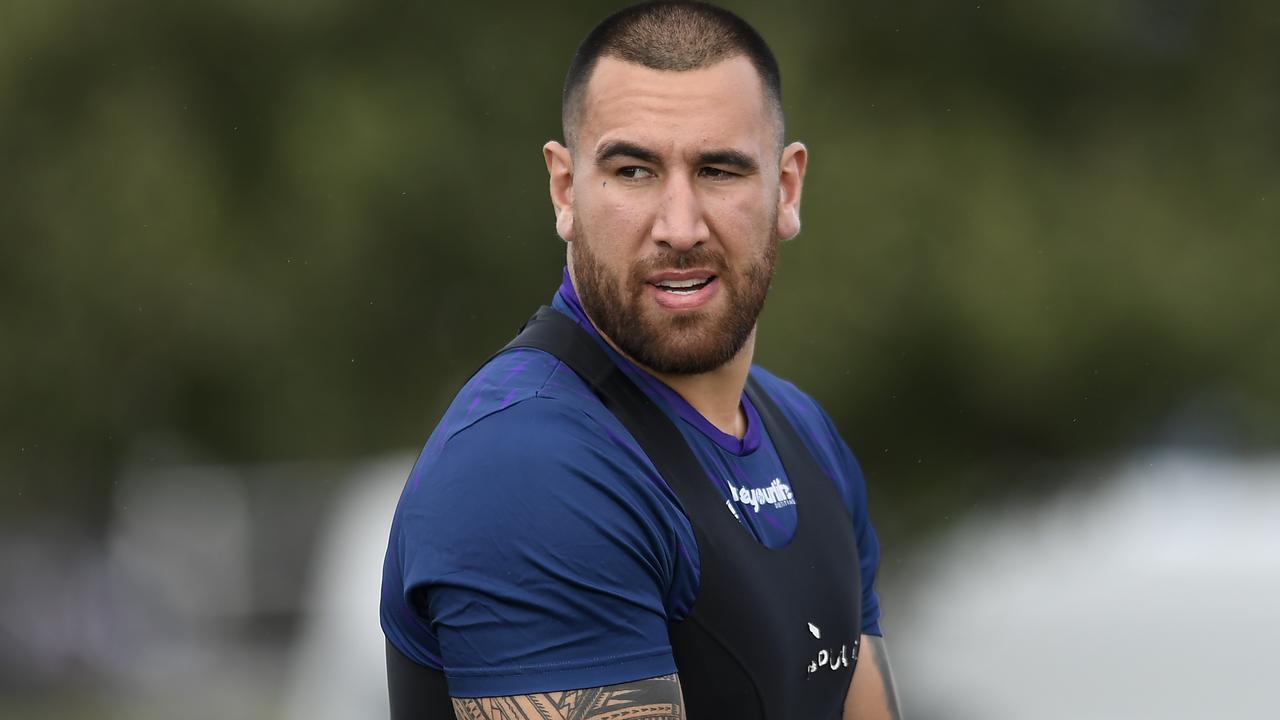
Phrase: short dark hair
[669,35]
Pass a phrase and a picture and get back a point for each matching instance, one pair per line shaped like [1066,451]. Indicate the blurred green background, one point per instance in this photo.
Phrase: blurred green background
[1036,234]
[245,231]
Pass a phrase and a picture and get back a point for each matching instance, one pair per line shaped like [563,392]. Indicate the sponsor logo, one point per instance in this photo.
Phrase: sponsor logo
[831,658]
[777,494]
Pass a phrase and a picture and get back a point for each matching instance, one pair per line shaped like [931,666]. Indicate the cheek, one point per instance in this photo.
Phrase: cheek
[615,223]
[613,232]
[744,220]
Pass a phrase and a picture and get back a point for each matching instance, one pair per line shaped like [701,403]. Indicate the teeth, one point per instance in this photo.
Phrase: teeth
[682,283]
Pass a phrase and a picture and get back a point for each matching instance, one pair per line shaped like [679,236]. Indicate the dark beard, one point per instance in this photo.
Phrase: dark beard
[684,344]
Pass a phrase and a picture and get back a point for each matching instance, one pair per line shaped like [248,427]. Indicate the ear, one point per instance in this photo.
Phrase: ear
[795,157]
[560,168]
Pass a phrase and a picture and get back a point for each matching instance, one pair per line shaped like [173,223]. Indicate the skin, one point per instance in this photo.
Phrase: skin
[653,699]
[872,695]
[682,193]
[638,209]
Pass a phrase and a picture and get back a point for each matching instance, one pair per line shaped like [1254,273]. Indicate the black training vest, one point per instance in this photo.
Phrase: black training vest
[773,634]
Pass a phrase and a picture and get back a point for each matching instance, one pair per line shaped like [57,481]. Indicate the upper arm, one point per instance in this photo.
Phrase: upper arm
[656,698]
[872,695]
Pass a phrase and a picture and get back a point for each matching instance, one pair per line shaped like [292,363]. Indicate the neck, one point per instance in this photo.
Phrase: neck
[718,394]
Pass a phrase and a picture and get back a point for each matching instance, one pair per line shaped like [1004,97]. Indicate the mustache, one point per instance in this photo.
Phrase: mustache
[698,257]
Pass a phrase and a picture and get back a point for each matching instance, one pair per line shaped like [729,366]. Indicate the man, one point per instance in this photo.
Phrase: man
[620,516]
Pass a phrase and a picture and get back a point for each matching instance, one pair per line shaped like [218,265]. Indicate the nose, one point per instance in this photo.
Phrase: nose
[681,222]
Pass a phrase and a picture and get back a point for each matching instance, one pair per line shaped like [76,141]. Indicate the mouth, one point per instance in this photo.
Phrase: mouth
[685,289]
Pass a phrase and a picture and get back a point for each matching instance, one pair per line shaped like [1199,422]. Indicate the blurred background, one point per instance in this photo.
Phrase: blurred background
[249,251]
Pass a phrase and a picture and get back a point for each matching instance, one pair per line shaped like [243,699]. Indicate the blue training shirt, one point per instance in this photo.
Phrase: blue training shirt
[536,548]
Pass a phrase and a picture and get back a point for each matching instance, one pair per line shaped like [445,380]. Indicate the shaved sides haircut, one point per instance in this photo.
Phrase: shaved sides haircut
[669,35]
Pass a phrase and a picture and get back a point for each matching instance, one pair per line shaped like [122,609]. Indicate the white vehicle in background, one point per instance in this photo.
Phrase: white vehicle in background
[1150,593]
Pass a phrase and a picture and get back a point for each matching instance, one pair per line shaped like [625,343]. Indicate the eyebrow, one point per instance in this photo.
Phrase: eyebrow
[732,158]
[622,148]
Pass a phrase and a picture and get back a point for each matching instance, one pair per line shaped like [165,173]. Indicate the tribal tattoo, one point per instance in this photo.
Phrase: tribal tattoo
[653,699]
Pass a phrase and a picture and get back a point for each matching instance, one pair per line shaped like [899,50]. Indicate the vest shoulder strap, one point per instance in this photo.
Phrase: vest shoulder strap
[551,331]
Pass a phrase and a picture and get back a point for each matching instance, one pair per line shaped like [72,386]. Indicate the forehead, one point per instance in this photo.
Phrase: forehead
[722,104]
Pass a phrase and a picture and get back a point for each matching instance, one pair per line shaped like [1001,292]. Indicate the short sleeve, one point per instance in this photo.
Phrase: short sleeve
[855,491]
[539,551]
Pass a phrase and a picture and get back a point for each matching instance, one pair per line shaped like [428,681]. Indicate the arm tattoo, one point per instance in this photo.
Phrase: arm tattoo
[653,699]
[881,656]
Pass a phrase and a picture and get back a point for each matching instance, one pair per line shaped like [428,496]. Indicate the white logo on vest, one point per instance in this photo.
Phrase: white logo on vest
[831,659]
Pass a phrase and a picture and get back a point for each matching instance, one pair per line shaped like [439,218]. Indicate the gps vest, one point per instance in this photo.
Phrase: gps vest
[773,633]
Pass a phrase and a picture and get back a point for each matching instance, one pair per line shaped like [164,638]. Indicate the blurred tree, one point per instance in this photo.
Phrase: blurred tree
[289,230]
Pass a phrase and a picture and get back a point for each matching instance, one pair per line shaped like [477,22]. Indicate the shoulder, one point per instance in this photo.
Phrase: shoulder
[814,426]
[527,450]
[497,396]
[528,409]
[800,408]
[506,380]
[784,392]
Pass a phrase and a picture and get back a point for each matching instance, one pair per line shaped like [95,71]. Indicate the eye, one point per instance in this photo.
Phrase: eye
[715,173]
[634,172]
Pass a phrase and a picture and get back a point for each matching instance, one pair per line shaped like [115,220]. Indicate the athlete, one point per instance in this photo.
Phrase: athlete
[620,516]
